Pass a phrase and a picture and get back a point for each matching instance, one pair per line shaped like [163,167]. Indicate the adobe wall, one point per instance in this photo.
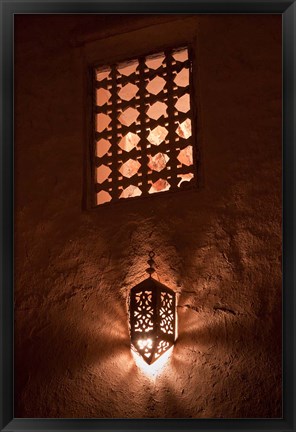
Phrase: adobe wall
[219,247]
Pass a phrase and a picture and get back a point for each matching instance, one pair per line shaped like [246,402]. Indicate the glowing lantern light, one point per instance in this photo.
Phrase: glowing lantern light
[152,317]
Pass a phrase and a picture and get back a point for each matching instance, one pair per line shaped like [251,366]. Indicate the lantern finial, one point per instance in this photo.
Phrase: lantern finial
[150,270]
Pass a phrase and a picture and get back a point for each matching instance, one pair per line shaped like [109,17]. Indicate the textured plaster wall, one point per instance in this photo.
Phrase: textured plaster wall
[219,246]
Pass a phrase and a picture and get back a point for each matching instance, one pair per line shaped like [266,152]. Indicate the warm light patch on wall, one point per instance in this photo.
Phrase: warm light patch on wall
[143,127]
[155,368]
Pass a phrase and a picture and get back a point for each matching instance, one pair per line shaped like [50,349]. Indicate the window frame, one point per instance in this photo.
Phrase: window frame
[89,199]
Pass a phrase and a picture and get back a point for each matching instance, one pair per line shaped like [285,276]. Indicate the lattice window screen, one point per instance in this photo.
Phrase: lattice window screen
[143,134]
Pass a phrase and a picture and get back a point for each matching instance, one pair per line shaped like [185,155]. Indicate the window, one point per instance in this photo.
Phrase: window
[143,127]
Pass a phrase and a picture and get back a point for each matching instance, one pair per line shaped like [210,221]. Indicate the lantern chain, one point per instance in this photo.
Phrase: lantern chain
[150,270]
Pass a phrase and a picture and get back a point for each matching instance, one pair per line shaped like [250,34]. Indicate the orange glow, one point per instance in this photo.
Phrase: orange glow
[157,110]
[129,168]
[130,191]
[128,91]
[129,141]
[185,178]
[145,343]
[185,156]
[140,127]
[156,368]
[156,85]
[102,96]
[184,129]
[128,116]
[157,135]
[128,68]
[103,173]
[183,103]
[181,55]
[158,162]
[102,147]
[103,122]
[103,197]
[154,62]
[160,185]
[103,73]
[182,78]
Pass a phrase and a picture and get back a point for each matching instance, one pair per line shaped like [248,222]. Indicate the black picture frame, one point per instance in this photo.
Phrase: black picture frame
[10,7]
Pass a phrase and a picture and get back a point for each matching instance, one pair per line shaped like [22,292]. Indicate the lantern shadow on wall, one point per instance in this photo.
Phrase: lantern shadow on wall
[152,310]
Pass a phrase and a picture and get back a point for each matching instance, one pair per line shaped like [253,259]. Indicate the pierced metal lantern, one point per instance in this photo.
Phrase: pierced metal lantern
[152,316]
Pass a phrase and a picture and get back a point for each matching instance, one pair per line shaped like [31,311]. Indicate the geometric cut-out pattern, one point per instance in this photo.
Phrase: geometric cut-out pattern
[166,313]
[161,185]
[129,168]
[130,191]
[143,141]
[158,162]
[129,141]
[183,103]
[185,156]
[157,135]
[152,319]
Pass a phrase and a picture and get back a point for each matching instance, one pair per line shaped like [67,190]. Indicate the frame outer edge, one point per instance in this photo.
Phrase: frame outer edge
[6,221]
[289,207]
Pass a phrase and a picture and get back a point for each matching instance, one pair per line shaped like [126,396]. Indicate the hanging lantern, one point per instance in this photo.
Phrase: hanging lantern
[152,316]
